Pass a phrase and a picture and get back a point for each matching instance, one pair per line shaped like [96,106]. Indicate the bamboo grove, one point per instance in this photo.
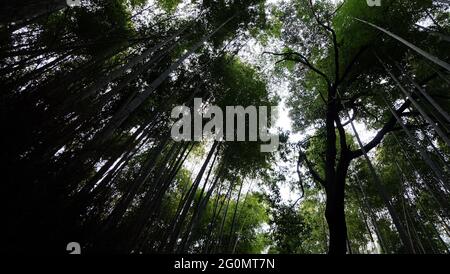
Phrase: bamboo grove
[87,156]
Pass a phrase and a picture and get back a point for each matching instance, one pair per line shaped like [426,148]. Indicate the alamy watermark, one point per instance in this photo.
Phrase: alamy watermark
[190,126]
[377,3]
[73,3]
[373,3]
[73,248]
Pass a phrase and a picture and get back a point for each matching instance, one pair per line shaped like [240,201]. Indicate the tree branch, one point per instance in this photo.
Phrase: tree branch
[333,38]
[388,127]
[301,59]
[342,136]
[309,165]
[300,178]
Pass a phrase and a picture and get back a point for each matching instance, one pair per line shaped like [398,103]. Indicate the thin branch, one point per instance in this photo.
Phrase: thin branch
[303,60]
[300,178]
[388,127]
[334,39]
[341,130]
[350,120]
[338,8]
[309,165]
[365,110]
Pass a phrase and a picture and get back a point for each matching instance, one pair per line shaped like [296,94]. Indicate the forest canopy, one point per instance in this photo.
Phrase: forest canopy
[363,163]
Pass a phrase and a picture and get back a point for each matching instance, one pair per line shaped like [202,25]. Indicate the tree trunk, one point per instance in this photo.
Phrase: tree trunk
[233,222]
[17,11]
[373,219]
[335,181]
[127,109]
[189,199]
[335,210]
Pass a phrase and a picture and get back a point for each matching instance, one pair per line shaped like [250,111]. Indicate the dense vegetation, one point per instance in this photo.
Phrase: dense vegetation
[87,155]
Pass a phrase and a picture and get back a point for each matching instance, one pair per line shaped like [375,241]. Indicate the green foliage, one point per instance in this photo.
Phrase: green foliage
[238,84]
[290,232]
[66,74]
[169,5]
